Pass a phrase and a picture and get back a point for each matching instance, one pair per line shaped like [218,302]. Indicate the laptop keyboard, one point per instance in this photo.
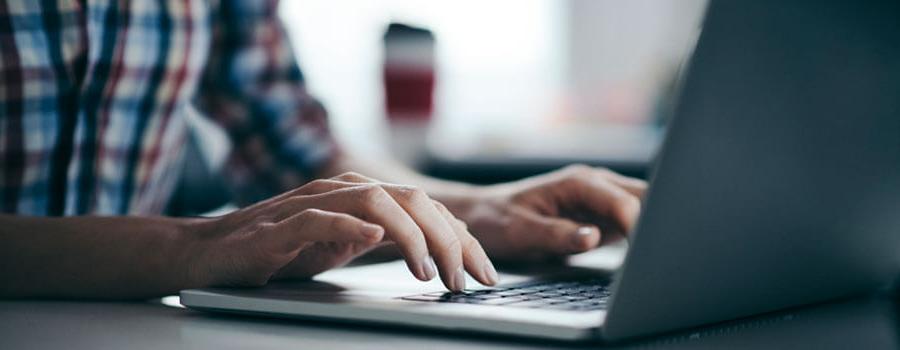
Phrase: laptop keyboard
[585,295]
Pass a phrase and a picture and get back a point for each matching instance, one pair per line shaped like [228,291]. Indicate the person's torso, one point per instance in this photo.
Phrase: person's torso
[93,97]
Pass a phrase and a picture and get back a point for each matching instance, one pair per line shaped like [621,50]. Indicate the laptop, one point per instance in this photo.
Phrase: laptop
[777,185]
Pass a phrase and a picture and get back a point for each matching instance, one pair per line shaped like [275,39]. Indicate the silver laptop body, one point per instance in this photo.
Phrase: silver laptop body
[778,185]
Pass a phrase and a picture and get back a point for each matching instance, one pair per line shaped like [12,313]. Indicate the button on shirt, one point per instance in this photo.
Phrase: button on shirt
[95,95]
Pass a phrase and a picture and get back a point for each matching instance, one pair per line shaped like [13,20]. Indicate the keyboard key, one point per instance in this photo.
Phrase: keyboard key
[423,297]
[576,296]
[489,296]
[510,293]
[556,300]
[532,289]
[529,303]
[498,301]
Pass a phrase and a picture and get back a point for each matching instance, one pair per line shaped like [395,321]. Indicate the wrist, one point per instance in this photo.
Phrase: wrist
[191,252]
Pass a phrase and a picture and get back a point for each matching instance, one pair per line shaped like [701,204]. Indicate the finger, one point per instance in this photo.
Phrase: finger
[315,225]
[443,243]
[319,186]
[345,180]
[291,205]
[355,177]
[372,203]
[636,187]
[558,235]
[622,205]
[443,240]
[322,186]
[475,259]
[280,206]
[602,197]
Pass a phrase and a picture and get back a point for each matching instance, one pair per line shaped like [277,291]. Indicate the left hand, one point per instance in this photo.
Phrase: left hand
[446,239]
[553,215]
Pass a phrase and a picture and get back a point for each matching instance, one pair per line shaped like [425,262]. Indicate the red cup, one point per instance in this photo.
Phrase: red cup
[409,76]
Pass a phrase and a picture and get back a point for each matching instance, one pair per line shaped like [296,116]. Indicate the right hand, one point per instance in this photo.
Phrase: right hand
[325,223]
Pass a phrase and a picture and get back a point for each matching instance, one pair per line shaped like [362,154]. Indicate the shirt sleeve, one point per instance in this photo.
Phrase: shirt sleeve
[253,87]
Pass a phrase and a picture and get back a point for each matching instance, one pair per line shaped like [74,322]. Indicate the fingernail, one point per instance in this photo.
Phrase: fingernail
[371,231]
[427,269]
[459,280]
[585,231]
[581,235]
[490,273]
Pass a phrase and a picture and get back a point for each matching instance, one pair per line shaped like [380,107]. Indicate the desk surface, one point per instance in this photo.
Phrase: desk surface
[867,323]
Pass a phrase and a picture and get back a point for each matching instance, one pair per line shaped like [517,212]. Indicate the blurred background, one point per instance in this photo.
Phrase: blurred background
[517,83]
[488,91]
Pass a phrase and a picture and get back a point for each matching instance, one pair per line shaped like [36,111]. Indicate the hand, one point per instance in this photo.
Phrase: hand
[326,223]
[553,215]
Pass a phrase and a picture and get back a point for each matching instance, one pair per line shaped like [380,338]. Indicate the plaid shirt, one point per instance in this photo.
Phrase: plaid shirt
[94,96]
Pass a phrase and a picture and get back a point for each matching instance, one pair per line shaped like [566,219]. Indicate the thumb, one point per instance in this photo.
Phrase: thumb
[559,235]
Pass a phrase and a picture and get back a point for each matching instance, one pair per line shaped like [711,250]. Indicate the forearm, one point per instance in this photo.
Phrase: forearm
[93,257]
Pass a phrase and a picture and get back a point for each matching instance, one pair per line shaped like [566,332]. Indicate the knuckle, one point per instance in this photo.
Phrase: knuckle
[571,181]
[409,193]
[578,169]
[440,206]
[627,204]
[604,172]
[451,245]
[459,224]
[315,186]
[470,243]
[350,175]
[310,213]
[308,216]
[419,193]
[263,225]
[585,171]
[634,204]
[627,201]
[318,183]
[373,195]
